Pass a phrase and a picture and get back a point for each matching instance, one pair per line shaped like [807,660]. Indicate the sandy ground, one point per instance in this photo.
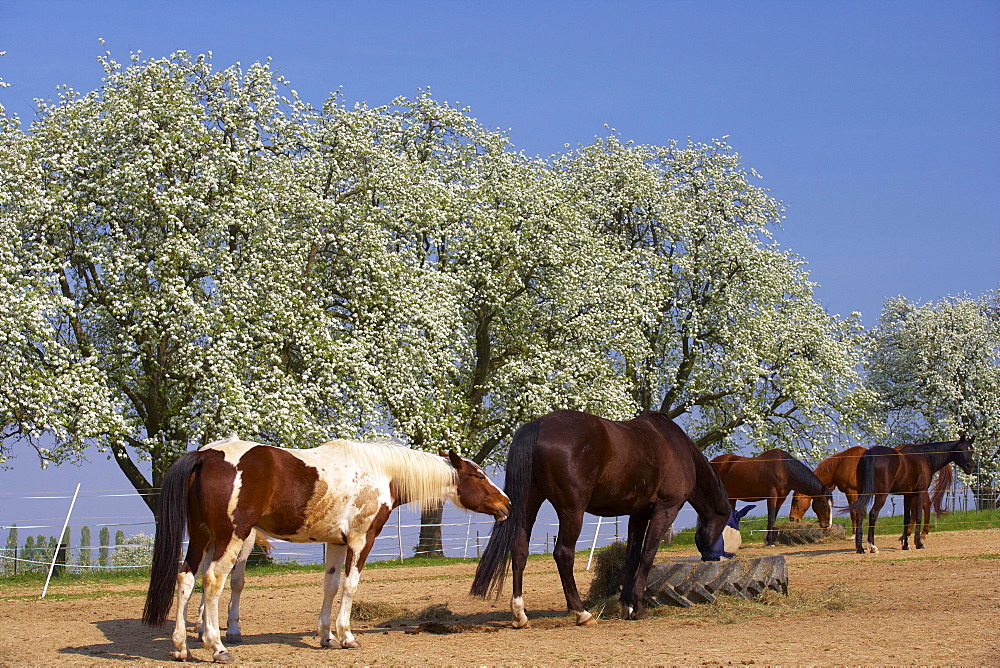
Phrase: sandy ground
[938,606]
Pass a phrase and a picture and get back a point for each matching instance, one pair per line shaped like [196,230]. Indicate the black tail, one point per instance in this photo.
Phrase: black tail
[492,567]
[170,530]
[866,483]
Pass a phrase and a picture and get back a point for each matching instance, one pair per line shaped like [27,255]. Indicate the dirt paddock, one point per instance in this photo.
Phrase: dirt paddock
[938,606]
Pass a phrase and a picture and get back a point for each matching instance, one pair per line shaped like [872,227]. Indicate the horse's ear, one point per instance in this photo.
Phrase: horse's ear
[456,461]
[743,511]
[442,453]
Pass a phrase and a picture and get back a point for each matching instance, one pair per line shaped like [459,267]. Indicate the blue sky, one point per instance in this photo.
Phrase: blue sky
[877,124]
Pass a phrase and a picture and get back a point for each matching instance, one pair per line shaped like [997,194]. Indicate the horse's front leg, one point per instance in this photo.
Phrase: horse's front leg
[354,561]
[657,526]
[630,609]
[770,534]
[918,509]
[335,556]
[564,554]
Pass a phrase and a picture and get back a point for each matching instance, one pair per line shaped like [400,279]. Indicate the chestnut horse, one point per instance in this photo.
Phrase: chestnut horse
[340,493]
[770,476]
[646,468]
[908,471]
[841,471]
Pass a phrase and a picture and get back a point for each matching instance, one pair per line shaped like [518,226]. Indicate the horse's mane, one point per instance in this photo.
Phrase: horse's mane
[420,476]
[802,477]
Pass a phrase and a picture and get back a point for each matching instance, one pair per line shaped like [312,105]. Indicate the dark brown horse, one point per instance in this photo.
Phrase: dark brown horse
[646,468]
[770,476]
[340,493]
[883,471]
[841,471]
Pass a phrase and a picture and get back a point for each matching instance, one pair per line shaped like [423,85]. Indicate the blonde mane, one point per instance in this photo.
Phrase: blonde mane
[420,476]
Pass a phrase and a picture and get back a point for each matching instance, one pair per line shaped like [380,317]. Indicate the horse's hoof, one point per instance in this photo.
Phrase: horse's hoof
[182,656]
[920,547]
[521,623]
[905,547]
[351,644]
[330,643]
[234,639]
[222,657]
[585,619]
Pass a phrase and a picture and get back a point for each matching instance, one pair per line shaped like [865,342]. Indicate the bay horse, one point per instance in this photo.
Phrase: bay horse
[340,493]
[841,471]
[770,476]
[908,471]
[646,468]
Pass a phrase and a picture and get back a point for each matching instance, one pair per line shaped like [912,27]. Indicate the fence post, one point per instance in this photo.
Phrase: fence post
[56,555]
[399,533]
[594,544]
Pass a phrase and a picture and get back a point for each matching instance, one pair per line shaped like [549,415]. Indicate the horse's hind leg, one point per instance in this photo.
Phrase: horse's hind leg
[872,519]
[195,562]
[564,554]
[212,583]
[519,559]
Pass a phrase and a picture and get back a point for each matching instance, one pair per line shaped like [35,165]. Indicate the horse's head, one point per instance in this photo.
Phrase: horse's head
[474,490]
[963,454]
[822,505]
[800,504]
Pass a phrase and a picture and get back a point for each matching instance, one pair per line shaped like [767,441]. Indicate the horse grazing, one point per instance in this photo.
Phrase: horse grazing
[841,471]
[908,471]
[646,468]
[770,476]
[340,493]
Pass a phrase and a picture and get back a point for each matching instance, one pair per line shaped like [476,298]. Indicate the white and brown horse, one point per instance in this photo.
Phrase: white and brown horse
[340,493]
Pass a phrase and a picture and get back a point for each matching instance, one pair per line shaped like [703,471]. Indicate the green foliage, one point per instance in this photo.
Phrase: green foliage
[84,556]
[104,554]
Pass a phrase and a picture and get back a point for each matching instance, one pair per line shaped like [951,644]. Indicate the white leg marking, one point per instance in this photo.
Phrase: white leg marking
[351,578]
[517,607]
[583,618]
[185,585]
[331,582]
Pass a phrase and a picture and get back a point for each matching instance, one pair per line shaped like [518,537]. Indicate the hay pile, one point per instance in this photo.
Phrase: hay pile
[803,533]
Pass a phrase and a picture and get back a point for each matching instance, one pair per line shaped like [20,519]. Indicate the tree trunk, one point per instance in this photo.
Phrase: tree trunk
[430,544]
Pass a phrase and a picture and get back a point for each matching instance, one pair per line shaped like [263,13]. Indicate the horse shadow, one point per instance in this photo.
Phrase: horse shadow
[130,641]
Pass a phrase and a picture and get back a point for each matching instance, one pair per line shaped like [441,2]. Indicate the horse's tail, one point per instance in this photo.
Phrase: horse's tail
[170,530]
[944,480]
[866,483]
[492,567]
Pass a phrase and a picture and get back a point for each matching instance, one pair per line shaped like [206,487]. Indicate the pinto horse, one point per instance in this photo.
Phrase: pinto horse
[340,493]
[770,476]
[646,468]
[841,471]
[908,471]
